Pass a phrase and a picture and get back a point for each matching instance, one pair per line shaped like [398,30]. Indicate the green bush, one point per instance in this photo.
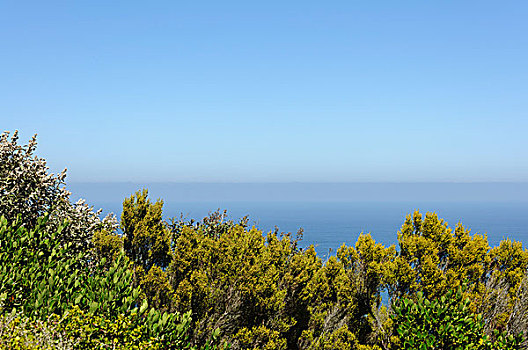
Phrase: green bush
[39,278]
[265,292]
[445,323]
[77,329]
[122,332]
[18,332]
[253,291]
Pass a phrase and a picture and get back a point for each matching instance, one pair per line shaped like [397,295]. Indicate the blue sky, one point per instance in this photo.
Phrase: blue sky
[275,91]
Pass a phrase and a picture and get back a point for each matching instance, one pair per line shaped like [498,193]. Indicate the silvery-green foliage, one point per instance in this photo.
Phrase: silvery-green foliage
[27,188]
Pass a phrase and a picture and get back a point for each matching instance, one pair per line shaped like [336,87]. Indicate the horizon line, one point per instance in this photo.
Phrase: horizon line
[295,182]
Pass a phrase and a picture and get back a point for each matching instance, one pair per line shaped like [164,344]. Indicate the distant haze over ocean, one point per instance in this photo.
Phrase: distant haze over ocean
[328,192]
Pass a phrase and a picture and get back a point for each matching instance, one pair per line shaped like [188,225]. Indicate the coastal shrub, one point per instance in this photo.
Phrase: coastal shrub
[29,190]
[18,332]
[263,291]
[250,291]
[96,332]
[126,331]
[232,282]
[39,279]
[81,330]
[347,292]
[445,323]
[146,237]
[434,259]
[107,246]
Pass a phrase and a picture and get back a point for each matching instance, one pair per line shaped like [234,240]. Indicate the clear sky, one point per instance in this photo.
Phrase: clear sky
[270,91]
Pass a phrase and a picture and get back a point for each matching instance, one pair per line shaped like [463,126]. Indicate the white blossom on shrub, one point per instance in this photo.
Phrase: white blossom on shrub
[29,190]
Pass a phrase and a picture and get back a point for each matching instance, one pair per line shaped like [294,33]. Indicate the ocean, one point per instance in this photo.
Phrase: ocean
[332,214]
[327,225]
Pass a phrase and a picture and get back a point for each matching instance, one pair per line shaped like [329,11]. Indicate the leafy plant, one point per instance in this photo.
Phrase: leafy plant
[39,277]
[29,190]
[18,332]
[445,323]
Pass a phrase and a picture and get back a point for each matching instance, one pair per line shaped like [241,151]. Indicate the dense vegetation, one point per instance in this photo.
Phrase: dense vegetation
[72,281]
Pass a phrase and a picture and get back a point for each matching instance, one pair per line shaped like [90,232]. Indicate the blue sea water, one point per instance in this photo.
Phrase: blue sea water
[328,225]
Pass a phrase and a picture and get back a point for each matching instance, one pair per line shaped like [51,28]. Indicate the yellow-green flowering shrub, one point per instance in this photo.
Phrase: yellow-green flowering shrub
[95,332]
